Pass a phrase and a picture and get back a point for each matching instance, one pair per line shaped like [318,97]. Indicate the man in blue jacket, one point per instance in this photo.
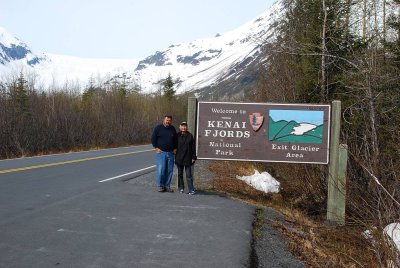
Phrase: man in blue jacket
[164,140]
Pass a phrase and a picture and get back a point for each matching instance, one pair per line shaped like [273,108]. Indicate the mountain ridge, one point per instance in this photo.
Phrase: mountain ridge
[202,63]
[12,49]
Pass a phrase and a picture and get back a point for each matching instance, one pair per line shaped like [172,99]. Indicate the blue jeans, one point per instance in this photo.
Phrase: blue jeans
[164,169]
[189,177]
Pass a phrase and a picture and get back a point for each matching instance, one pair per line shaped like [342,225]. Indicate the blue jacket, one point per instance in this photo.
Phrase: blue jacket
[164,138]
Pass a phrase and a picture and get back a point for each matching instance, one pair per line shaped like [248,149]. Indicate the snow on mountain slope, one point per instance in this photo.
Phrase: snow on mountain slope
[57,70]
[205,62]
[194,65]
[63,68]
[12,49]
[52,69]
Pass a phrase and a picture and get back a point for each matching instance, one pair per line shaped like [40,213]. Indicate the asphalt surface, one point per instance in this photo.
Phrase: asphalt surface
[82,211]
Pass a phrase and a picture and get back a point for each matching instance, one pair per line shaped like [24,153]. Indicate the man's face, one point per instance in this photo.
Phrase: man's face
[167,121]
[183,128]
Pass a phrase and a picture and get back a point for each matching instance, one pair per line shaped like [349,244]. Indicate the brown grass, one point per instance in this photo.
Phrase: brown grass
[308,236]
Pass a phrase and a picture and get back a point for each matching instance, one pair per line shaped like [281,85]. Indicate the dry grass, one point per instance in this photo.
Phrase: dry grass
[308,237]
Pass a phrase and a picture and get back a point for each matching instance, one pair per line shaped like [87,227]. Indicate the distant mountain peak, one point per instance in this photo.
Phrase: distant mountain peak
[12,49]
[7,39]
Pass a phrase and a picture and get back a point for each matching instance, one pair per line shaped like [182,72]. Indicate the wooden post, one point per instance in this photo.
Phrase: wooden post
[191,120]
[341,187]
[191,115]
[337,171]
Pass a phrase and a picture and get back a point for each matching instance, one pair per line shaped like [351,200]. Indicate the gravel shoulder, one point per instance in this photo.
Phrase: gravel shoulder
[269,249]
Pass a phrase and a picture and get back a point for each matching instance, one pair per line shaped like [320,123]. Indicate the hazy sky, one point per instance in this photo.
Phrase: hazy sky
[121,28]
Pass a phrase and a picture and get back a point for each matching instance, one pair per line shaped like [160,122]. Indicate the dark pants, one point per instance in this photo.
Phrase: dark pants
[189,177]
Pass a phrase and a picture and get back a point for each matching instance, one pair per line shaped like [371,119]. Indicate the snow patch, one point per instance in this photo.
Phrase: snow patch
[262,182]
[393,231]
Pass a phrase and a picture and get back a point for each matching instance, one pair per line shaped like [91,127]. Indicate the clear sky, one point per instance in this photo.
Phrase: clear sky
[313,117]
[121,28]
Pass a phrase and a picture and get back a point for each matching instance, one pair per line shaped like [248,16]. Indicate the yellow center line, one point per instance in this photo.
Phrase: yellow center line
[71,161]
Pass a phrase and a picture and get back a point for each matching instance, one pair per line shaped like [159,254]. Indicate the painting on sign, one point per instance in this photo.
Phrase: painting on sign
[301,126]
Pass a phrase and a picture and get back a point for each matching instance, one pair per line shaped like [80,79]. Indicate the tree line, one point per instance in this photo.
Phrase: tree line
[112,113]
[347,50]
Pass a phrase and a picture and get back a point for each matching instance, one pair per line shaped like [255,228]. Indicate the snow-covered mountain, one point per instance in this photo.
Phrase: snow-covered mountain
[206,62]
[195,65]
[13,50]
[53,69]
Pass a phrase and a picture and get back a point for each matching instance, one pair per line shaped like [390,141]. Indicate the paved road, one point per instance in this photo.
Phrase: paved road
[80,210]
[27,184]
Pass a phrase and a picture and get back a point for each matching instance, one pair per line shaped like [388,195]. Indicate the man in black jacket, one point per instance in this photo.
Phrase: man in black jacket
[164,142]
[185,157]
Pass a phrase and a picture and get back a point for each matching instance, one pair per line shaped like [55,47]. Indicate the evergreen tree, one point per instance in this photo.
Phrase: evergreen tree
[168,88]
[316,36]
[20,96]
[121,84]
[89,92]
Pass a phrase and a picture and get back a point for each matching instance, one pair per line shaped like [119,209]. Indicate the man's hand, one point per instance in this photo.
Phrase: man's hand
[158,150]
[174,151]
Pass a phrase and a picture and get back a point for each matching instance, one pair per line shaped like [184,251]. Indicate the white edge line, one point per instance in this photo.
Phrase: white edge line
[119,176]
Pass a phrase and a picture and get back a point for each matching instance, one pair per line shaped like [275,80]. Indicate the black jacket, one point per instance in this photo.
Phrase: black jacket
[186,150]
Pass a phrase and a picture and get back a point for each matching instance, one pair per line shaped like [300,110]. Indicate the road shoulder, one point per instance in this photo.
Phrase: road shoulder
[269,246]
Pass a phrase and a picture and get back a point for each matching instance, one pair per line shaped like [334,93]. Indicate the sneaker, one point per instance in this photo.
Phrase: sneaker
[169,190]
[161,189]
[192,192]
[181,191]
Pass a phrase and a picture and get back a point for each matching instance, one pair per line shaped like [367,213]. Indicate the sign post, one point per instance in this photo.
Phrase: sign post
[337,171]
[191,114]
[191,121]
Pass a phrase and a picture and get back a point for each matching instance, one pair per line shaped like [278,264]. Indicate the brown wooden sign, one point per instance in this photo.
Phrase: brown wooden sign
[266,132]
